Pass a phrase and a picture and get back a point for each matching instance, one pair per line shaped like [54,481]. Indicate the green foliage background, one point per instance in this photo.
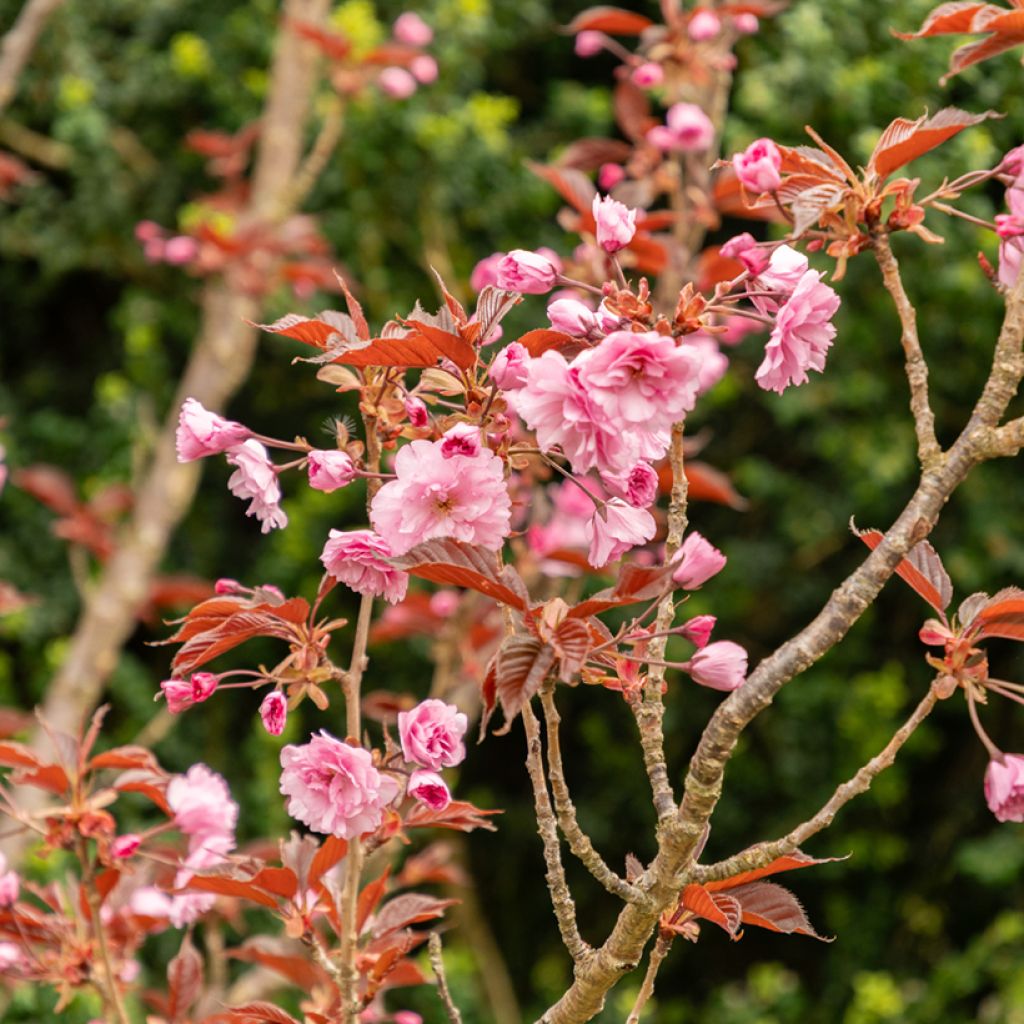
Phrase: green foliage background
[927,910]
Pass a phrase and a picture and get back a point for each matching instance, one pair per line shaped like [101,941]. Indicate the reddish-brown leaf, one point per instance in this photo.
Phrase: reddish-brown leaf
[1000,618]
[125,758]
[464,565]
[613,20]
[974,53]
[771,906]
[588,154]
[790,862]
[701,903]
[274,956]
[523,663]
[635,583]
[278,881]
[947,19]
[49,485]
[408,909]
[332,849]
[923,570]
[370,896]
[573,186]
[632,111]
[256,1012]
[459,815]
[571,641]
[184,980]
[488,697]
[222,885]
[905,140]
[331,44]
[538,341]
[328,330]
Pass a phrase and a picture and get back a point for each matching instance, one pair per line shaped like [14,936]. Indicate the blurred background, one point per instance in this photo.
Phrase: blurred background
[928,909]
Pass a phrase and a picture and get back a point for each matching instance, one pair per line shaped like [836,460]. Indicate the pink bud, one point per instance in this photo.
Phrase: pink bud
[526,272]
[329,470]
[745,249]
[147,230]
[462,439]
[609,175]
[698,629]
[935,633]
[688,129]
[746,23]
[417,412]
[486,272]
[616,223]
[203,685]
[758,165]
[642,485]
[696,562]
[126,845]
[274,712]
[1004,787]
[704,25]
[510,365]
[227,586]
[648,75]
[572,317]
[411,29]
[396,83]
[719,666]
[589,44]
[180,250]
[181,695]
[429,789]
[201,432]
[424,69]
[1012,163]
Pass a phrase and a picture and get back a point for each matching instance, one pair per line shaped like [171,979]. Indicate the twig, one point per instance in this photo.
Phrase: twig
[662,945]
[928,449]
[759,855]
[579,842]
[40,149]
[17,44]
[437,963]
[561,898]
[316,160]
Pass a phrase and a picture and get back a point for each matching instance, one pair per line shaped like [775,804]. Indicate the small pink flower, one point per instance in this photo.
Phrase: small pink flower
[1004,788]
[802,335]
[704,25]
[204,811]
[688,129]
[359,560]
[429,789]
[329,470]
[462,439]
[434,496]
[744,248]
[416,410]
[126,845]
[745,23]
[696,562]
[648,75]
[526,272]
[431,734]
[397,83]
[181,695]
[201,432]
[719,666]
[572,317]
[698,629]
[225,585]
[510,366]
[334,788]
[486,272]
[424,69]
[411,29]
[615,529]
[642,485]
[786,267]
[255,480]
[609,175]
[758,165]
[180,250]
[616,223]
[589,44]
[274,712]
[3,467]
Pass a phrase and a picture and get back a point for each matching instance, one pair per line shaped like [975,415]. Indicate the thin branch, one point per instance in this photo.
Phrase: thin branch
[659,951]
[316,160]
[437,963]
[17,43]
[579,842]
[561,898]
[928,449]
[759,855]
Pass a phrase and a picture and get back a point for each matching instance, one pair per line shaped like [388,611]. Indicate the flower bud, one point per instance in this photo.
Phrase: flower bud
[698,629]
[704,25]
[397,83]
[411,29]
[609,175]
[126,845]
[509,368]
[719,666]
[589,44]
[417,412]
[616,223]
[274,712]
[429,789]
[329,470]
[526,272]
[696,562]
[572,317]
[758,166]
[648,75]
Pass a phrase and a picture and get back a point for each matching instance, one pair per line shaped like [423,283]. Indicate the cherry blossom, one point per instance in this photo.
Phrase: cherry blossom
[255,480]
[358,559]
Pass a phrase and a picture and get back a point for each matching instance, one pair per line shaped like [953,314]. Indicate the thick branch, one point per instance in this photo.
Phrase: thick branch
[561,898]
[759,855]
[17,44]
[928,449]
[579,842]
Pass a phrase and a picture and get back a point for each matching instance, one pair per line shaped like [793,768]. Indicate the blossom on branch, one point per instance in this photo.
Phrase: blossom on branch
[617,527]
[201,432]
[255,480]
[1004,787]
[431,734]
[358,559]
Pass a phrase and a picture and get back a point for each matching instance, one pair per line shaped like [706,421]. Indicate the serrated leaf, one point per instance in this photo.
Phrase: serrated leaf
[523,663]
[184,980]
[921,569]
[459,815]
[571,642]
[719,909]
[1001,617]
[790,862]
[904,141]
[408,909]
[769,905]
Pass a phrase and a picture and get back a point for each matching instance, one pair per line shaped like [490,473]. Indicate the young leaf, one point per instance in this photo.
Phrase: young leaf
[459,815]
[1001,617]
[905,140]
[408,909]
[613,20]
[523,663]
[718,909]
[768,905]
[790,862]
[922,569]
[184,980]
[539,340]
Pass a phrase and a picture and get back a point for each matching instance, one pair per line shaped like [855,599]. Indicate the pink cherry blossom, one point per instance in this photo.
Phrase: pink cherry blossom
[411,29]
[573,317]
[648,75]
[358,559]
[713,362]
[334,788]
[509,368]
[226,585]
[609,175]
[462,439]
[641,380]
[125,845]
[397,83]
[528,272]
[416,410]
[1004,787]
[703,25]
[429,789]
[1012,163]
[274,712]
[696,562]
[255,480]
[329,470]
[744,248]
[642,485]
[616,223]
[786,267]
[433,496]
[802,335]
[719,666]
[486,272]
[181,695]
[431,734]
[204,811]
[698,629]
[758,165]
[589,44]
[687,129]
[745,23]
[201,432]
[616,528]
[424,69]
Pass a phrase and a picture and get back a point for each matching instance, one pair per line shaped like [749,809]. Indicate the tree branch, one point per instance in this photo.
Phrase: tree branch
[17,43]
[928,449]
[659,951]
[437,963]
